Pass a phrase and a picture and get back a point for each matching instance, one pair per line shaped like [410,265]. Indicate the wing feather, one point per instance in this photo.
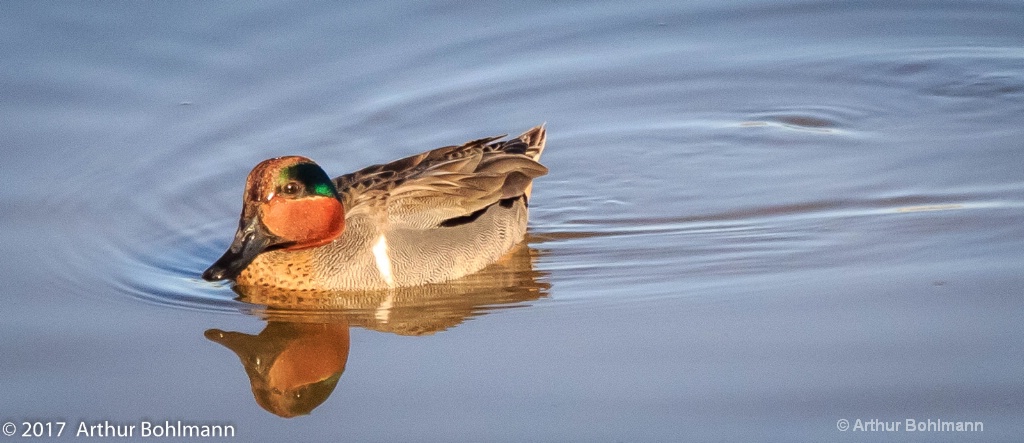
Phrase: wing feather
[422,191]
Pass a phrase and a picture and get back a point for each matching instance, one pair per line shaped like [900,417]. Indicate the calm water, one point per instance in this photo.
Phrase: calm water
[761,218]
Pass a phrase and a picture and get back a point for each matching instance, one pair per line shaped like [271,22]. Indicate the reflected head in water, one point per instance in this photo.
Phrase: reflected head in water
[293,367]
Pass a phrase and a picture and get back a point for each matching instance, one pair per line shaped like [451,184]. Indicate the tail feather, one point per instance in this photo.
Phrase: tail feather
[535,139]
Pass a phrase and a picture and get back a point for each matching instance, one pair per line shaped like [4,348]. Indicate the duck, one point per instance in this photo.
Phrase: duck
[427,218]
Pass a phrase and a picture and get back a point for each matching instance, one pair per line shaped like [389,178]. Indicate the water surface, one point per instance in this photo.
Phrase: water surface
[761,218]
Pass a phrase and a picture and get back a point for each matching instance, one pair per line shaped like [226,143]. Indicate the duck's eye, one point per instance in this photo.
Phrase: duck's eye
[292,188]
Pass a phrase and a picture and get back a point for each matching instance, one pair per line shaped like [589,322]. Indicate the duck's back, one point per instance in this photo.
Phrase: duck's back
[434,216]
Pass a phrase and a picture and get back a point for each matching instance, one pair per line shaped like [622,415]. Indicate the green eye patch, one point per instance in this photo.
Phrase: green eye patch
[311,176]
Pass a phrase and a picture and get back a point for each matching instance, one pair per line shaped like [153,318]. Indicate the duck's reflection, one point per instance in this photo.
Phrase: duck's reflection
[293,367]
[295,363]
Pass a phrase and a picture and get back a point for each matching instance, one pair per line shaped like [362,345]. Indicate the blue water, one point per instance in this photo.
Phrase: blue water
[761,217]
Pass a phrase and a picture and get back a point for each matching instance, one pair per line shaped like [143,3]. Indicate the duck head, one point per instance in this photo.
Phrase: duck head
[289,203]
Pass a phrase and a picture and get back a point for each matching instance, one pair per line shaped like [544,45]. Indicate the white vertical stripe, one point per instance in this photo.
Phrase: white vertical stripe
[380,255]
[383,311]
